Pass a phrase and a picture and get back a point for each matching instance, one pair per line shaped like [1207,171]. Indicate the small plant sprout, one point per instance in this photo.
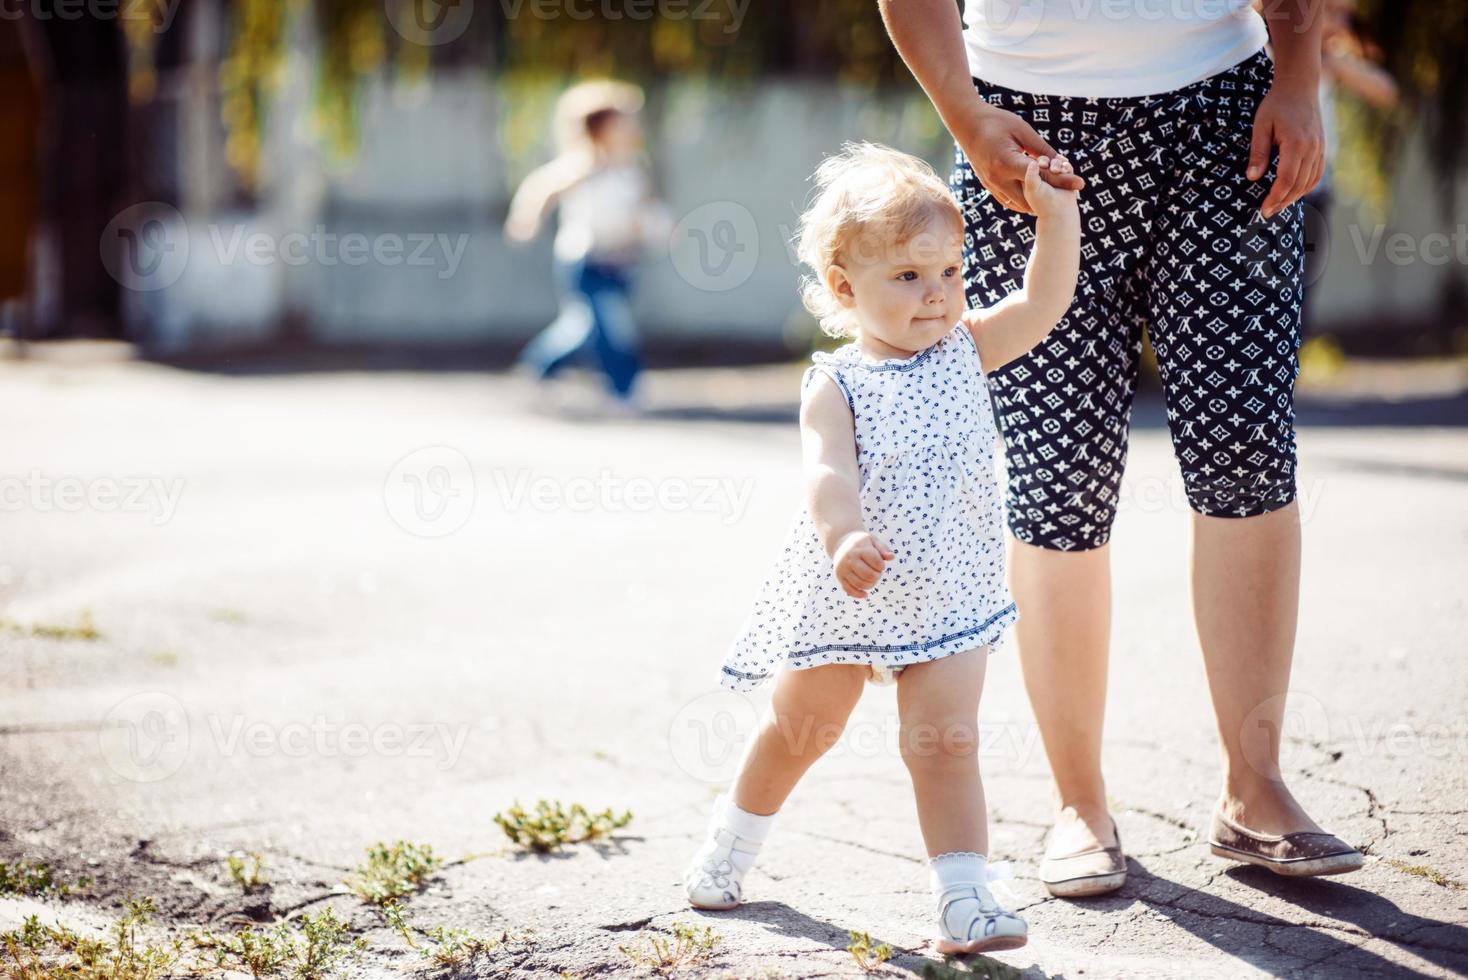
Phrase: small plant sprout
[689,946]
[446,946]
[552,826]
[82,629]
[868,956]
[393,871]
[1424,871]
[392,913]
[248,871]
[38,951]
[453,948]
[308,949]
[30,879]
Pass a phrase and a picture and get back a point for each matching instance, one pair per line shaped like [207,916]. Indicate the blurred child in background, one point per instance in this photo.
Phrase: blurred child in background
[600,184]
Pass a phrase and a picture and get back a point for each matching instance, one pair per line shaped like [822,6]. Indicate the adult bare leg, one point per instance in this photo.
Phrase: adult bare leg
[1246,596]
[1064,600]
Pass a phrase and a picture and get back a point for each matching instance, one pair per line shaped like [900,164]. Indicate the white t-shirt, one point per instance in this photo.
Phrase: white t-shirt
[1107,48]
[604,216]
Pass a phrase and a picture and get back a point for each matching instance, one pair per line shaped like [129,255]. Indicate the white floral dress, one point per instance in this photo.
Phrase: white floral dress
[925,447]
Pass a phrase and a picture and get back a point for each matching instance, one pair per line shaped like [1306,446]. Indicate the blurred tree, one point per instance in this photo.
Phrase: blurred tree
[1421,43]
[85,163]
[20,135]
[532,48]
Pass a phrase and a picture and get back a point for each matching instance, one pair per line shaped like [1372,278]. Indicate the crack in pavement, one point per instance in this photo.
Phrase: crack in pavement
[53,727]
[862,847]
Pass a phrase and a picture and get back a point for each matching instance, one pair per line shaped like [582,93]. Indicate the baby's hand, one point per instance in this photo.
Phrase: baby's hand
[859,560]
[1043,197]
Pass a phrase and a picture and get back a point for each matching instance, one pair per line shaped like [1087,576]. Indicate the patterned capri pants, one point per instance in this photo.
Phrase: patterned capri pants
[1171,239]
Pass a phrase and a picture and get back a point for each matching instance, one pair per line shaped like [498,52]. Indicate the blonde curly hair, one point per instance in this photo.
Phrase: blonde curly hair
[869,197]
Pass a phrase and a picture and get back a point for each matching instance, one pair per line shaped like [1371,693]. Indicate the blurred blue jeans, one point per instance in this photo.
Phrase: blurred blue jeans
[595,323]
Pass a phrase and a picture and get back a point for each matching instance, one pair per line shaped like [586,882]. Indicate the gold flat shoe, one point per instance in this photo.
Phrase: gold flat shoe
[1094,871]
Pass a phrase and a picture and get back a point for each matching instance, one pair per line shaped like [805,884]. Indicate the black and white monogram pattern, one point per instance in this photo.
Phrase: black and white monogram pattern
[1171,240]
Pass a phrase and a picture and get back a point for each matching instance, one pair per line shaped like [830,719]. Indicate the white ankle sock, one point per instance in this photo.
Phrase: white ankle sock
[751,828]
[960,868]
[957,868]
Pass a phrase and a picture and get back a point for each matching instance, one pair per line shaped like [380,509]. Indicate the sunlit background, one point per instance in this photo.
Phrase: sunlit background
[182,175]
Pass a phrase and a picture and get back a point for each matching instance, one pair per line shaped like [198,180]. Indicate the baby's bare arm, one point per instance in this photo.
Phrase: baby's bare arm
[833,488]
[1009,328]
[828,444]
[538,193]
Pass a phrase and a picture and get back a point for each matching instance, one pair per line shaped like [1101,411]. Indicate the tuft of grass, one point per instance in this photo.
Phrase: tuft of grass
[552,825]
[83,629]
[163,658]
[30,879]
[393,871]
[249,875]
[1423,871]
[688,947]
[982,968]
[226,615]
[447,947]
[868,957]
[38,951]
[455,948]
[308,950]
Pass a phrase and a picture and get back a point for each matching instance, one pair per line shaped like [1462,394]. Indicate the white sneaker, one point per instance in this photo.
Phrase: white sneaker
[629,406]
[971,921]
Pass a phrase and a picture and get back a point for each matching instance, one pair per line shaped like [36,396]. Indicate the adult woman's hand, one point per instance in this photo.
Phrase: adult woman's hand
[1288,117]
[999,145]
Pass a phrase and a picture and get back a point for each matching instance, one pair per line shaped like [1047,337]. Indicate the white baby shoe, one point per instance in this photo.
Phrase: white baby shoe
[970,920]
[714,879]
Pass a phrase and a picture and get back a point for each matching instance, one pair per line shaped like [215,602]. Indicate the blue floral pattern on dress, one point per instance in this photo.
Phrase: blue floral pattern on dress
[925,448]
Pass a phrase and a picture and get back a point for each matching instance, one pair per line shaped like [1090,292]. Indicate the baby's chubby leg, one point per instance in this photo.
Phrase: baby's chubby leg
[938,704]
[807,715]
[938,707]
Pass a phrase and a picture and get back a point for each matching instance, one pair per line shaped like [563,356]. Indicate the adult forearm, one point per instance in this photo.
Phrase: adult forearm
[1295,28]
[928,34]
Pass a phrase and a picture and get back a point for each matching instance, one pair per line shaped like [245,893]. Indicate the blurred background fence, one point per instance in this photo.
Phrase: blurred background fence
[200,176]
